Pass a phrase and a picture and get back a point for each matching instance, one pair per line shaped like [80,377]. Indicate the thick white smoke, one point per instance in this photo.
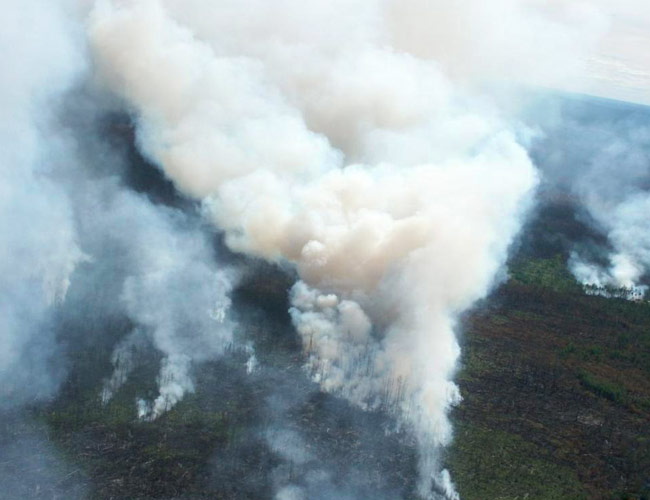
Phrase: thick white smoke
[626,227]
[625,221]
[39,249]
[57,215]
[329,134]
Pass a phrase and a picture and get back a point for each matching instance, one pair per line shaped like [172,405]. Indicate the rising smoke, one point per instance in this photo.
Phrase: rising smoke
[352,140]
[393,192]
[70,225]
[172,291]
[40,248]
[620,207]
[601,155]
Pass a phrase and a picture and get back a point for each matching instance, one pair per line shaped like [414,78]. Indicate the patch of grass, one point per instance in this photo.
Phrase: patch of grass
[633,349]
[127,457]
[602,387]
[584,353]
[497,465]
[527,316]
[550,273]
[611,390]
[474,365]
[568,350]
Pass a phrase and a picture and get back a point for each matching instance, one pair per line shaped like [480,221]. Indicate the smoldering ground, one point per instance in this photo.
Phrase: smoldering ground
[597,153]
[303,443]
[278,409]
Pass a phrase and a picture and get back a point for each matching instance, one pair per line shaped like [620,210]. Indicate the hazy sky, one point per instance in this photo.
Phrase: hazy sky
[621,67]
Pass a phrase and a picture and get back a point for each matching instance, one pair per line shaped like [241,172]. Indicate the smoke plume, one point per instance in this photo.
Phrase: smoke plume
[39,250]
[70,225]
[347,152]
[600,153]
[172,291]
[354,141]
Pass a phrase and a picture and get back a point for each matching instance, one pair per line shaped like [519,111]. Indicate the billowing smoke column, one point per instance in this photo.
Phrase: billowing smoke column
[313,140]
[351,139]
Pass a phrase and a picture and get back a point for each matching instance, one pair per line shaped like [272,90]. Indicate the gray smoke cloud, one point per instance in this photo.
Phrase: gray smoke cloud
[619,207]
[39,250]
[362,154]
[306,471]
[173,291]
[31,467]
[600,152]
[64,210]
[367,156]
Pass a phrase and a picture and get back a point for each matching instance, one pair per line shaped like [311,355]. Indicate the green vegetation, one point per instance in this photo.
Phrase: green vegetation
[626,349]
[557,406]
[557,393]
[550,273]
[123,454]
[584,353]
[604,388]
[612,391]
[497,465]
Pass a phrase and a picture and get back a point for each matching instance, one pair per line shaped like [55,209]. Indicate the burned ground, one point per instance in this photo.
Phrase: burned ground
[556,388]
[556,384]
